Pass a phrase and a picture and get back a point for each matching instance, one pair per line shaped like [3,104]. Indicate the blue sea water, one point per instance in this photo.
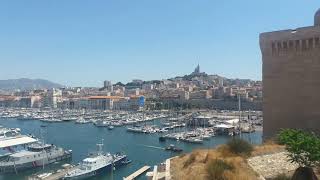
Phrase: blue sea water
[142,149]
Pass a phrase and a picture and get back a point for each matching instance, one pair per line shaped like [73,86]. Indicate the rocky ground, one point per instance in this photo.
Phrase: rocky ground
[271,165]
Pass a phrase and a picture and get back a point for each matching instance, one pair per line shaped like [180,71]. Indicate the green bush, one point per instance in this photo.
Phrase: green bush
[303,147]
[240,147]
[190,160]
[216,168]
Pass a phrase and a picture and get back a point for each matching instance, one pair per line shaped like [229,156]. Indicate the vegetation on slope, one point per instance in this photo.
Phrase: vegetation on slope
[240,147]
[304,149]
[229,162]
[224,163]
[217,168]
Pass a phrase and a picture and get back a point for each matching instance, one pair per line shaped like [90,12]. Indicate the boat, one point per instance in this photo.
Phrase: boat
[194,140]
[69,118]
[81,120]
[96,164]
[24,117]
[9,132]
[51,120]
[144,129]
[247,129]
[173,148]
[36,155]
[101,123]
[205,137]
[127,161]
[110,127]
[134,129]
[117,124]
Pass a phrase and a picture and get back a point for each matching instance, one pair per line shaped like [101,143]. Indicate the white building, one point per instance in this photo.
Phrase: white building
[53,97]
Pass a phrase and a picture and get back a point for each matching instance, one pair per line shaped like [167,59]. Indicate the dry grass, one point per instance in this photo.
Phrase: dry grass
[267,148]
[197,169]
[191,159]
[217,169]
[224,151]
[242,170]
[193,166]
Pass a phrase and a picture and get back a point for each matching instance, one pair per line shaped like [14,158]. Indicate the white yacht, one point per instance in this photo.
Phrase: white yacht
[102,123]
[36,155]
[9,132]
[81,120]
[95,164]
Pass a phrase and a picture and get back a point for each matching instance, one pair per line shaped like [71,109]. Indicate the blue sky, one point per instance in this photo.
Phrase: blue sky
[83,42]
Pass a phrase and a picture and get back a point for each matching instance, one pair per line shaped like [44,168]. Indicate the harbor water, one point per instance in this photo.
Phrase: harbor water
[142,149]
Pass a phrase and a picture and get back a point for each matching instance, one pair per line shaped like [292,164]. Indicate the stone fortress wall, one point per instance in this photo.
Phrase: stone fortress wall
[291,79]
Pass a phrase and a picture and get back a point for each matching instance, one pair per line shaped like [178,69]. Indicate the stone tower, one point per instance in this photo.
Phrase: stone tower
[197,70]
[291,78]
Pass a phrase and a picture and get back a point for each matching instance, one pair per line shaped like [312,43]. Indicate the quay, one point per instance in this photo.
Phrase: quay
[137,173]
[59,174]
[161,171]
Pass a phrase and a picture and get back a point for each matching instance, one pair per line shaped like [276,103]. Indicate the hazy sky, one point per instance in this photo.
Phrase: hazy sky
[83,42]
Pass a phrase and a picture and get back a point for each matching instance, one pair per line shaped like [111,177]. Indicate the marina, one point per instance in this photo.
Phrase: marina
[141,148]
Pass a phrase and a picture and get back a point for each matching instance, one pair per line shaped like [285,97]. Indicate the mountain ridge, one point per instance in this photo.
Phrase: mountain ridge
[27,84]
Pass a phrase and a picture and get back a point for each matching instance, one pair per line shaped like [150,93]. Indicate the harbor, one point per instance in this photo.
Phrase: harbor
[142,148]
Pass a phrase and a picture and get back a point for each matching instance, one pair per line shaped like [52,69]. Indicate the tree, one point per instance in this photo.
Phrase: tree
[304,149]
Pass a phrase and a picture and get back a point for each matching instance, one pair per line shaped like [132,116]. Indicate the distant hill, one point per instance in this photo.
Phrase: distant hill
[27,84]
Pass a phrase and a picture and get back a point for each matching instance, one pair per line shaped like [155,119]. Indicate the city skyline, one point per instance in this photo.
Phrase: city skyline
[116,41]
[10,83]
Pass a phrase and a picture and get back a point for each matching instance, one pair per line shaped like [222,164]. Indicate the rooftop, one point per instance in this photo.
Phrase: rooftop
[105,97]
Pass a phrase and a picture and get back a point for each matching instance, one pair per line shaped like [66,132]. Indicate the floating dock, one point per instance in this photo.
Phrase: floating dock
[137,173]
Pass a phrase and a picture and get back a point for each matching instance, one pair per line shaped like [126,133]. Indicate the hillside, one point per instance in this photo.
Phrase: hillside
[27,84]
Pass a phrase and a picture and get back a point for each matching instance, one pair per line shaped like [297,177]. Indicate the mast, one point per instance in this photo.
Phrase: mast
[112,166]
[250,125]
[14,165]
[43,145]
[100,146]
[239,106]
[145,122]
